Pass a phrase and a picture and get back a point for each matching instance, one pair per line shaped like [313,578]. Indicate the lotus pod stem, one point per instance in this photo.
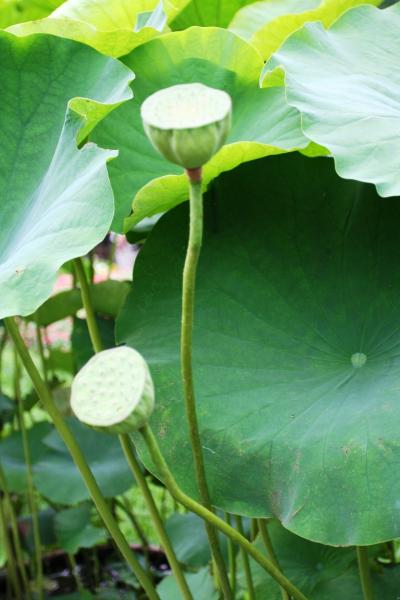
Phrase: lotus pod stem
[79,459]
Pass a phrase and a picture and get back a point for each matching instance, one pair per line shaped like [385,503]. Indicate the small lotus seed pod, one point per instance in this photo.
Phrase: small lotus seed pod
[114,391]
[187,123]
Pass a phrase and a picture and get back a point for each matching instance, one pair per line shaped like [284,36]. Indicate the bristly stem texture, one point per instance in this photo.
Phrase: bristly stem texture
[365,574]
[155,515]
[126,444]
[88,306]
[188,301]
[40,346]
[209,516]
[79,459]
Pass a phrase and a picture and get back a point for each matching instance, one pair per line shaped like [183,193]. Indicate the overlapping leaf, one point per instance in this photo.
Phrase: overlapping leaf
[174,7]
[55,475]
[74,529]
[296,360]
[189,540]
[57,478]
[107,298]
[110,26]
[207,13]
[12,456]
[321,572]
[268,23]
[56,202]
[263,124]
[201,585]
[346,82]
[17,11]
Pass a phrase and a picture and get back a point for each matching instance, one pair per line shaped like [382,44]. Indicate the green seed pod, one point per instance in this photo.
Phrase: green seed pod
[114,391]
[187,123]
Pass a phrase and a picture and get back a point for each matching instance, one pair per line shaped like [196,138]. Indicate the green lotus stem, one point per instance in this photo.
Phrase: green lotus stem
[91,266]
[253,530]
[231,559]
[164,504]
[87,304]
[126,445]
[365,574]
[79,460]
[137,527]
[263,527]
[11,571]
[209,516]
[155,515]
[188,300]
[3,342]
[15,535]
[111,259]
[135,523]
[29,481]
[40,346]
[245,561]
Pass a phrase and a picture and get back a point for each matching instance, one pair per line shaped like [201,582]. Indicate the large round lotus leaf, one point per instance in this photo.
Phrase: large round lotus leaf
[296,348]
[346,82]
[56,202]
[110,26]
[321,572]
[263,123]
[57,478]
[268,23]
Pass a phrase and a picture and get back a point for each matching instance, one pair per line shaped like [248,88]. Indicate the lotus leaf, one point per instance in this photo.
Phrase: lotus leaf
[56,201]
[263,124]
[16,11]
[322,572]
[207,13]
[296,361]
[111,26]
[268,23]
[346,83]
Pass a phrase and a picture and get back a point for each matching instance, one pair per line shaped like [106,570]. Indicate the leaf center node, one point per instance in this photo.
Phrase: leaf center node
[358,359]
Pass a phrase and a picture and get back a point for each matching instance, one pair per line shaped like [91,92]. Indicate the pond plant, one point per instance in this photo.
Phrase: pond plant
[232,410]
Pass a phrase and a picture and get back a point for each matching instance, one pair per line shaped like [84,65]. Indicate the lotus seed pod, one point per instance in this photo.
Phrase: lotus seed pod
[187,123]
[114,391]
